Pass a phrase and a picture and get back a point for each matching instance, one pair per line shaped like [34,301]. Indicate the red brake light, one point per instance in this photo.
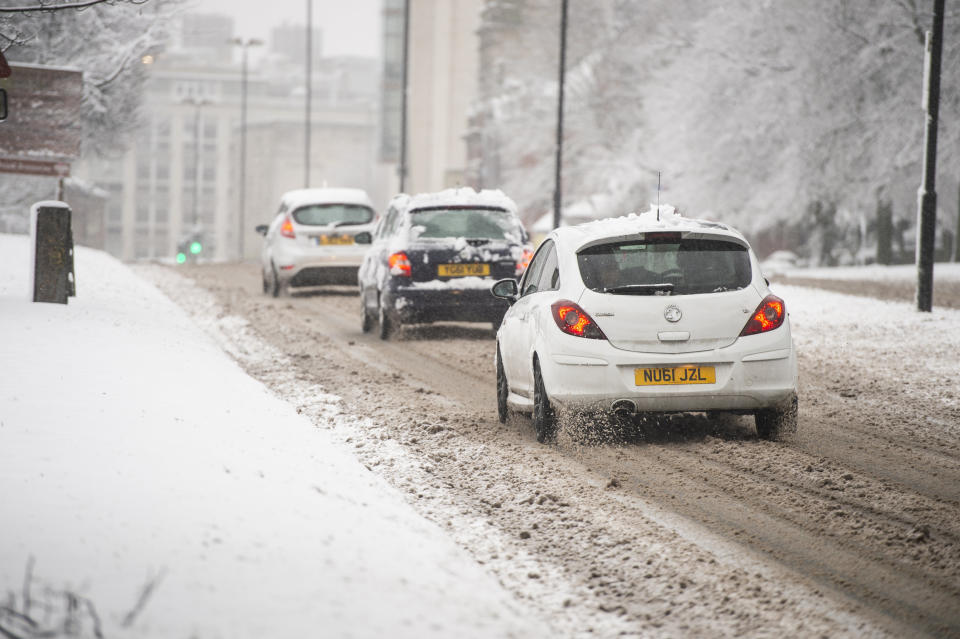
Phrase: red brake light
[399,264]
[573,320]
[524,261]
[286,229]
[768,316]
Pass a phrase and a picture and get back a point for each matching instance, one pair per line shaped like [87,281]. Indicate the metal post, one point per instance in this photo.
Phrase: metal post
[927,213]
[196,165]
[402,169]
[307,123]
[243,156]
[558,176]
[956,233]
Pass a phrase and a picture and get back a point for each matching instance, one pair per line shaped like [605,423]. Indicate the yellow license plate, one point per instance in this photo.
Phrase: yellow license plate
[462,270]
[334,240]
[675,375]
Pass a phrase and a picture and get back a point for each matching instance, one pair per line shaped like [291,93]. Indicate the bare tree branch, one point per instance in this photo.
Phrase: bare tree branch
[59,7]
[142,600]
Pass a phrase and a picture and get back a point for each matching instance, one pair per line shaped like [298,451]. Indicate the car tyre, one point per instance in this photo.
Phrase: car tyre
[502,390]
[275,288]
[387,327]
[777,424]
[366,319]
[266,282]
[544,417]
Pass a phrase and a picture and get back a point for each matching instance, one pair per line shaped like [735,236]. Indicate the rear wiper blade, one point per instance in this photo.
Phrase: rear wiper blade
[640,289]
[346,224]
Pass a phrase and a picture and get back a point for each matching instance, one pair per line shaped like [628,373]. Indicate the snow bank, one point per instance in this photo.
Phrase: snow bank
[942,272]
[132,448]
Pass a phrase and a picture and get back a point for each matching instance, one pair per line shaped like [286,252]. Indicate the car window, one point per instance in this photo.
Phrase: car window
[549,279]
[672,266]
[336,214]
[390,228]
[531,279]
[472,223]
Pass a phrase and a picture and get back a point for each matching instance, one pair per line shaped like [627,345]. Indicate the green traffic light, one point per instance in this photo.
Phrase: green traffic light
[181,258]
[196,247]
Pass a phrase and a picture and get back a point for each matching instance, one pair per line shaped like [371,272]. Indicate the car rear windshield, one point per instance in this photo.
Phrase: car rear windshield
[336,214]
[472,223]
[671,267]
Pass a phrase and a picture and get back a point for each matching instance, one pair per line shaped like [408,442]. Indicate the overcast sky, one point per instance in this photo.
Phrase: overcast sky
[350,27]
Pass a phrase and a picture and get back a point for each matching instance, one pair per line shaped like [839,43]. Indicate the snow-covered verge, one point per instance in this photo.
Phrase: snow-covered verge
[942,272]
[140,465]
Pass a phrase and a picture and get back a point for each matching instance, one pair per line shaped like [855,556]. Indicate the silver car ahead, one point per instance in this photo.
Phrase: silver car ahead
[318,237]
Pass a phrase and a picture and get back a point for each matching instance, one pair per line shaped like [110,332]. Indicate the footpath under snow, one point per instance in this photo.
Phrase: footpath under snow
[133,451]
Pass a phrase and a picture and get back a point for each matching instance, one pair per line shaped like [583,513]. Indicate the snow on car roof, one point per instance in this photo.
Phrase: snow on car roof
[302,197]
[662,218]
[464,196]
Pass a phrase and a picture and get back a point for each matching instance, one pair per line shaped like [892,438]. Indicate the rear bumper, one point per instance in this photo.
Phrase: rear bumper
[415,306]
[309,268]
[755,372]
[323,275]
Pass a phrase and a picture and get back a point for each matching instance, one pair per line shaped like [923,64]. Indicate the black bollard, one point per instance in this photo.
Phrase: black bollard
[53,277]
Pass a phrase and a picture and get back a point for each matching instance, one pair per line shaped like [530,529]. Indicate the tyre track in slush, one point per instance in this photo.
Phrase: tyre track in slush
[457,373]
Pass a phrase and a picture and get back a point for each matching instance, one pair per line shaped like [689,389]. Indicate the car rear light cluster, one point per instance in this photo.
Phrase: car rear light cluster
[573,320]
[399,264]
[768,316]
[286,229]
[524,261]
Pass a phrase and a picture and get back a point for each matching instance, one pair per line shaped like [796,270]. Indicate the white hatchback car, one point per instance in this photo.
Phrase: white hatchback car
[318,237]
[646,313]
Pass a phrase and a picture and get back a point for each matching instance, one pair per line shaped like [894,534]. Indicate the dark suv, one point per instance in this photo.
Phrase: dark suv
[435,255]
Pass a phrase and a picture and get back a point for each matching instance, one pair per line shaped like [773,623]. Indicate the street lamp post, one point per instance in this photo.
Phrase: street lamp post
[402,169]
[241,235]
[927,213]
[307,122]
[558,175]
[197,174]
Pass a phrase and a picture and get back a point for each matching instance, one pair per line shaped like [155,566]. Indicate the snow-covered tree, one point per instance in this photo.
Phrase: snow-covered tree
[106,40]
[794,117]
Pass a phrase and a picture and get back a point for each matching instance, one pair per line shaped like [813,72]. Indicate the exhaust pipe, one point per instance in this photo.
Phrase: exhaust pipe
[624,408]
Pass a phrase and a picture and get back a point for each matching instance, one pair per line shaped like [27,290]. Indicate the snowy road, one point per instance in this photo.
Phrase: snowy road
[691,527]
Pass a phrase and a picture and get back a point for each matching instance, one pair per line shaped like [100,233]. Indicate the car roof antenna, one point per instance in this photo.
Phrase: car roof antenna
[658,196]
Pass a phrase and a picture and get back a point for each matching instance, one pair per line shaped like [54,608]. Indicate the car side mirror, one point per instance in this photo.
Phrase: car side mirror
[506,290]
[261,229]
[363,238]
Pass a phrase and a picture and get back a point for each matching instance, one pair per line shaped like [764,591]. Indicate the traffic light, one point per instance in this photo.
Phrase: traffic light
[190,247]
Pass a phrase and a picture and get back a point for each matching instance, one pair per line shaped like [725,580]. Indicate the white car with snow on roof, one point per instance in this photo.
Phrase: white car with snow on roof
[435,256]
[646,313]
[317,237]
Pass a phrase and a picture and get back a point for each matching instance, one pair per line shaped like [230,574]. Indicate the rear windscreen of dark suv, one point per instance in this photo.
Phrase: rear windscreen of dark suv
[467,222]
[327,214]
[673,267]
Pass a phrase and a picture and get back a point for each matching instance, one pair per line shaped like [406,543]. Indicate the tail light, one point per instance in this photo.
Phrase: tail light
[768,316]
[573,320]
[286,229]
[399,264]
[524,261]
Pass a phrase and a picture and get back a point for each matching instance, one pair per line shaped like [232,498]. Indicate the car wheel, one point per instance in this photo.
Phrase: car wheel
[544,419]
[387,327]
[497,322]
[366,319]
[502,390]
[275,288]
[266,282]
[778,423]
